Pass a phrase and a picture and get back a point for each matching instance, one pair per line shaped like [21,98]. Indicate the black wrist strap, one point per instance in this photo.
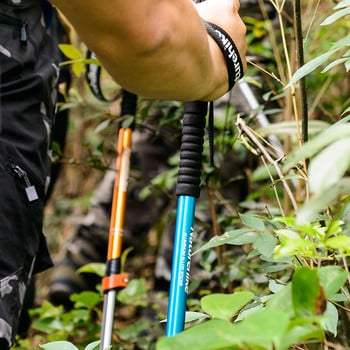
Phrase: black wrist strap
[93,78]
[229,50]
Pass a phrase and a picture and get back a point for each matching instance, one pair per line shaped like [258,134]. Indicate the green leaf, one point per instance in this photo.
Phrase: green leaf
[86,299]
[96,268]
[335,16]
[192,316]
[334,63]
[70,51]
[93,346]
[329,319]
[329,165]
[225,306]
[310,67]
[342,4]
[312,147]
[59,345]
[211,335]
[235,237]
[311,208]
[340,243]
[264,329]
[134,294]
[253,221]
[282,301]
[291,243]
[332,279]
[265,244]
[303,329]
[306,290]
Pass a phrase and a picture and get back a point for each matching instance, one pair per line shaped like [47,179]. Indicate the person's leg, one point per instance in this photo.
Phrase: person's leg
[28,76]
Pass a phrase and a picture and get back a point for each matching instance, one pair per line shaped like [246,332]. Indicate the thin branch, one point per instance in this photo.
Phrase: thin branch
[246,130]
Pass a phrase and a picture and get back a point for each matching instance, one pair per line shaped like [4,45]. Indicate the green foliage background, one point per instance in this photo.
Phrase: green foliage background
[275,274]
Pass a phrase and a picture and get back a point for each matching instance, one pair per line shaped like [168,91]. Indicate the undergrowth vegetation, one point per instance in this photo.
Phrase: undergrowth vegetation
[273,272]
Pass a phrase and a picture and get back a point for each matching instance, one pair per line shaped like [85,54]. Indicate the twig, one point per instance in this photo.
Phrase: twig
[243,127]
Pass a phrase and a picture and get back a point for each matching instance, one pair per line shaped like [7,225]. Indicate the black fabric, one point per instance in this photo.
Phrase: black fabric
[28,79]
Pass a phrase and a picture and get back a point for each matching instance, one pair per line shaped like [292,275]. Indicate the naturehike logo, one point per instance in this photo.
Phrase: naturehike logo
[185,262]
[232,53]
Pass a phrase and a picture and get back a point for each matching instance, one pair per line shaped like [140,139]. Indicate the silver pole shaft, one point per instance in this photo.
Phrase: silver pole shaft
[108,319]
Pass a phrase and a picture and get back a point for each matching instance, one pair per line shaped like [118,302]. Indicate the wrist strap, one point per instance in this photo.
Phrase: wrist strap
[229,50]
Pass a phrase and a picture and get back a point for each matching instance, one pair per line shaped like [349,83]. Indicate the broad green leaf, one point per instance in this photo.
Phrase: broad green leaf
[211,335]
[265,244]
[47,325]
[282,301]
[310,67]
[94,345]
[329,319]
[134,294]
[235,237]
[340,243]
[302,329]
[59,345]
[225,306]
[253,221]
[335,16]
[264,329]
[329,165]
[87,299]
[332,279]
[97,268]
[291,243]
[306,290]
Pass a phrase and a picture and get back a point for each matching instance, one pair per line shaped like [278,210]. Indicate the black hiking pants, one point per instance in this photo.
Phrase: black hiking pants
[28,79]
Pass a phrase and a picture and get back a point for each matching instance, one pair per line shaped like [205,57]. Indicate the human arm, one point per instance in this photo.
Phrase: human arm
[159,48]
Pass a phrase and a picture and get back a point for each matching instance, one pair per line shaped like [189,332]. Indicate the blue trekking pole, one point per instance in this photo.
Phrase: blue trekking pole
[187,190]
[188,183]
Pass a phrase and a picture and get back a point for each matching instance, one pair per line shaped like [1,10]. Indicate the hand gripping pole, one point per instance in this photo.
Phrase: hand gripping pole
[113,279]
[187,190]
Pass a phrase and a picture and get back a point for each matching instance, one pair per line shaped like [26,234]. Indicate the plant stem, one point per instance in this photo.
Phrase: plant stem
[246,130]
[300,57]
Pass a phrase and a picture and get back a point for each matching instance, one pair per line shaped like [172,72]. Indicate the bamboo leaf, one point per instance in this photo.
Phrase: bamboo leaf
[335,16]
[310,148]
[310,67]
[342,4]
[329,165]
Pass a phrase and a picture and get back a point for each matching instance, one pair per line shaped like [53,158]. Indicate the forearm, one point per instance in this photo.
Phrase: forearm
[156,48]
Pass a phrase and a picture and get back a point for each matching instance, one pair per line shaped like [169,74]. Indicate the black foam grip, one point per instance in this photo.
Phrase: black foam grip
[189,177]
[128,105]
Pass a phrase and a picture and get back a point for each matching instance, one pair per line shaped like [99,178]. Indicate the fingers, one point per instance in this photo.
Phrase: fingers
[224,13]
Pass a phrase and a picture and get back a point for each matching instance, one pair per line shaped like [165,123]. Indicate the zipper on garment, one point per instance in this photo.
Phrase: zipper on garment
[31,192]
[21,25]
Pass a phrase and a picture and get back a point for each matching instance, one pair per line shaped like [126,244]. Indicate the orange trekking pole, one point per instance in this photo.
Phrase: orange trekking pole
[114,279]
